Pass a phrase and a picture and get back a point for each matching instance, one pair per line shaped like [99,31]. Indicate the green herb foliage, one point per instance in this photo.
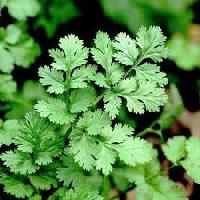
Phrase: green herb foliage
[73,144]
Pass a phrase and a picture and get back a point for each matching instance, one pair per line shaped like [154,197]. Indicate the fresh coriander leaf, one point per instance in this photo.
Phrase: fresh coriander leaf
[99,80]
[19,162]
[135,151]
[45,178]
[83,148]
[174,150]
[72,173]
[59,61]
[36,135]
[112,104]
[192,161]
[105,159]
[160,188]
[102,53]
[14,185]
[81,99]
[56,110]
[146,97]
[126,50]
[93,122]
[151,72]
[81,76]
[75,53]
[53,79]
[90,150]
[83,193]
[152,43]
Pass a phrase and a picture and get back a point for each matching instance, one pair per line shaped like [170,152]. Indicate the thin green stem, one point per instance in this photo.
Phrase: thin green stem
[67,83]
[134,66]
[149,130]
[96,101]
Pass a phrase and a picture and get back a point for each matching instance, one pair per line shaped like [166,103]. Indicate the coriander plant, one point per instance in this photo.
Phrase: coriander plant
[73,143]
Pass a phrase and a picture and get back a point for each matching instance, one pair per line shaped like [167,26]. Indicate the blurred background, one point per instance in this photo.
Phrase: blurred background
[29,28]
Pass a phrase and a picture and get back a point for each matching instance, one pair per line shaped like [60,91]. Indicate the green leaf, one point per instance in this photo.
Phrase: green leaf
[102,53]
[151,72]
[172,109]
[124,175]
[36,136]
[36,197]
[112,100]
[146,97]
[135,151]
[126,86]
[8,131]
[178,45]
[174,150]
[31,130]
[83,148]
[126,50]
[152,43]
[93,122]
[55,110]
[45,178]
[99,80]
[7,86]
[112,104]
[81,99]
[21,9]
[59,59]
[99,148]
[139,97]
[13,34]
[105,159]
[49,150]
[75,54]
[81,76]
[72,173]
[160,188]
[83,193]
[15,186]
[53,79]
[17,48]
[19,162]
[7,61]
[192,162]
[115,73]
[25,52]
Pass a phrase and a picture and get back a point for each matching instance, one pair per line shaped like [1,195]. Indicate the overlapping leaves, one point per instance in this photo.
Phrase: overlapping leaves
[16,48]
[144,90]
[36,143]
[94,143]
